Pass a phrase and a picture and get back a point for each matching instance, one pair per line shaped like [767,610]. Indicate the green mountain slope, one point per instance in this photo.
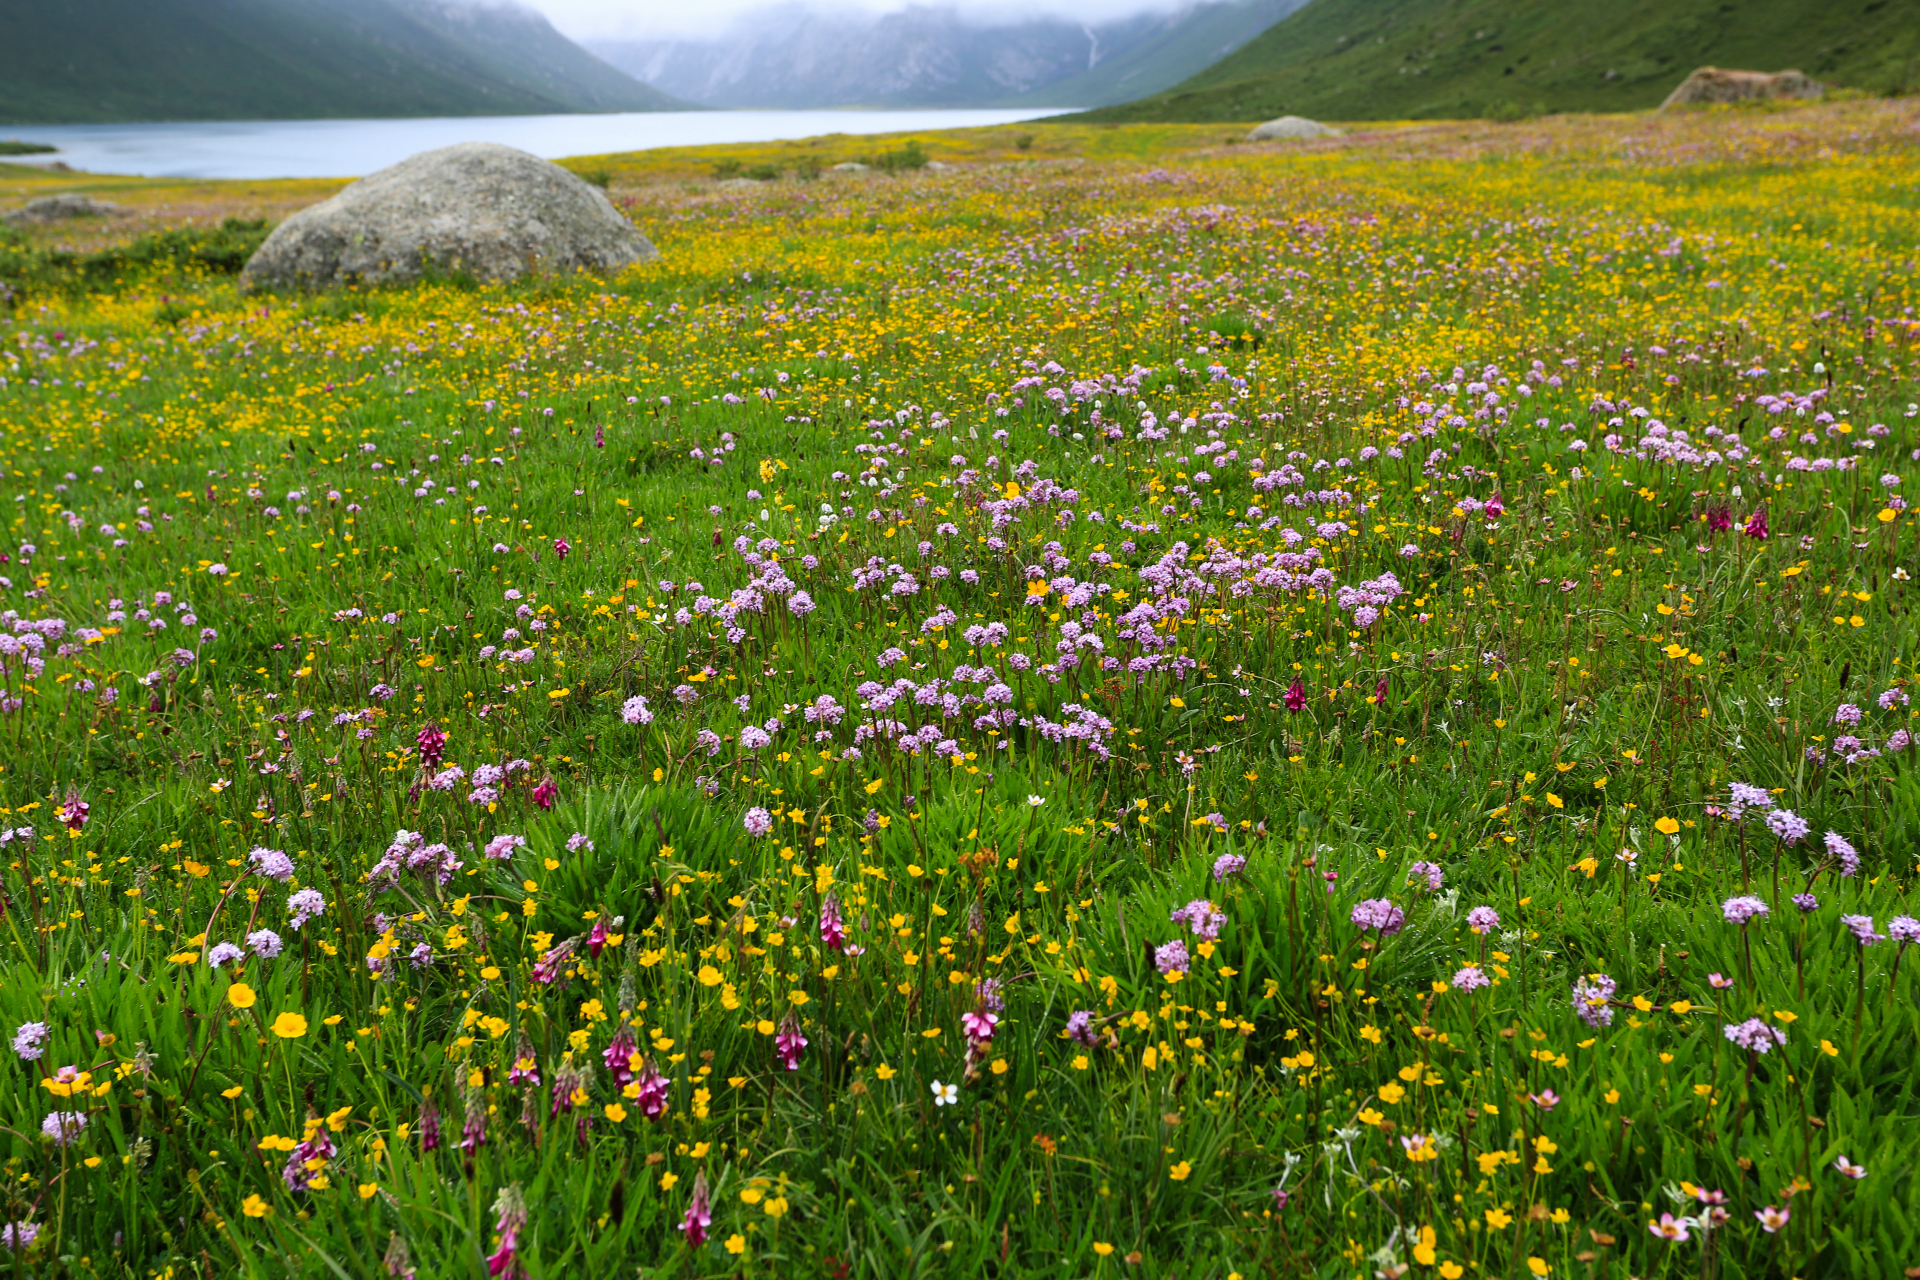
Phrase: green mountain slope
[105,60]
[1424,59]
[1185,43]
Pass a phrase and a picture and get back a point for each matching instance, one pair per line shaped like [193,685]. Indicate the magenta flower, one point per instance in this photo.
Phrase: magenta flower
[473,1130]
[511,1206]
[618,1056]
[561,546]
[1677,1230]
[651,1097]
[979,1025]
[1296,695]
[832,928]
[699,1214]
[546,793]
[432,744]
[789,1042]
[72,813]
[1756,526]
[526,1067]
[429,1127]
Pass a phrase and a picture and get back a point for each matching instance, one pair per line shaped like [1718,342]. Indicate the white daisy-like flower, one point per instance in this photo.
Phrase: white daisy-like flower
[945,1095]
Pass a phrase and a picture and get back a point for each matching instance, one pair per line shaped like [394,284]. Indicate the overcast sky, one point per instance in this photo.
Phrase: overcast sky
[613,19]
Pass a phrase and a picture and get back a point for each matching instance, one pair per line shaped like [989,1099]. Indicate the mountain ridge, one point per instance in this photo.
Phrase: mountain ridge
[95,61]
[928,55]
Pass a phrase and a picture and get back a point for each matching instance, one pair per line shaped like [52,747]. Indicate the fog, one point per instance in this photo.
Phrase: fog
[647,19]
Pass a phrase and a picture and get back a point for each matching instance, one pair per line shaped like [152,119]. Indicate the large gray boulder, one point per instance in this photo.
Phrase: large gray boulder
[1290,127]
[59,209]
[477,207]
[1710,86]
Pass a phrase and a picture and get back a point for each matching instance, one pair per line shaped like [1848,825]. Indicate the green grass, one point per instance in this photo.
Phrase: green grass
[1442,59]
[384,481]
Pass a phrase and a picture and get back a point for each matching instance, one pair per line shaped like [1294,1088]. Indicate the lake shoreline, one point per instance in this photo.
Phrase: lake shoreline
[263,149]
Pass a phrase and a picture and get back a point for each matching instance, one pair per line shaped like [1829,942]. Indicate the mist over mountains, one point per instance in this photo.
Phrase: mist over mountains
[81,61]
[793,56]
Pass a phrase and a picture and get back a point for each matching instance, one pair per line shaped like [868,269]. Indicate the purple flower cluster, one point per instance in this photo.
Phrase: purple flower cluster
[1380,915]
[1591,997]
[1228,865]
[30,1040]
[1788,825]
[1755,1036]
[1470,978]
[1848,856]
[1202,917]
[1744,797]
[1861,927]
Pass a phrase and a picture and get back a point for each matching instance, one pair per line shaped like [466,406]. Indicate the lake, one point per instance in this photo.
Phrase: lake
[350,148]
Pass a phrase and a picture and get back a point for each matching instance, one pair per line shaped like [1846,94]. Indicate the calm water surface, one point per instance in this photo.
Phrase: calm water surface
[350,148]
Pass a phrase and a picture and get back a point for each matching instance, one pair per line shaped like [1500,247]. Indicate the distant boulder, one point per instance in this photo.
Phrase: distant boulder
[1290,127]
[61,208]
[477,207]
[1711,85]
[850,166]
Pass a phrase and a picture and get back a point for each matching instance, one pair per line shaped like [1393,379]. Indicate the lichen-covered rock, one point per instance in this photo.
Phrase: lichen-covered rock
[478,207]
[60,208]
[1712,85]
[1290,127]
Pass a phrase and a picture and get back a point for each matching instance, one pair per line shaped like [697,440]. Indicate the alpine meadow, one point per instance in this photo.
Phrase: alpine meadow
[1338,709]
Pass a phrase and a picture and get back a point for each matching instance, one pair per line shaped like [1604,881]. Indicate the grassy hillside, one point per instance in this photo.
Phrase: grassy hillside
[1424,59]
[106,60]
